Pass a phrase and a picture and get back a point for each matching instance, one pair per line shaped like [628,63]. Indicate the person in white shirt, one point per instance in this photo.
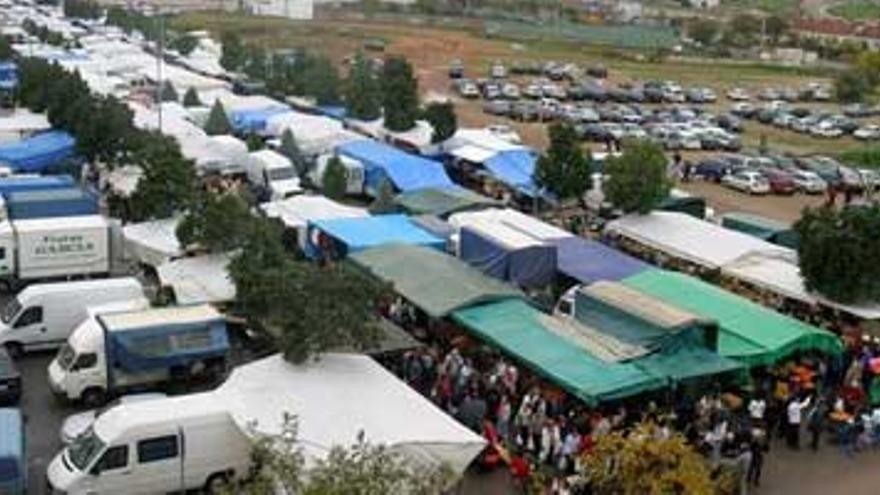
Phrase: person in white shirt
[757,408]
[795,408]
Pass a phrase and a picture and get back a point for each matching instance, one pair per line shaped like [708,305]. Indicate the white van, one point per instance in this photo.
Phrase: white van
[42,315]
[273,171]
[158,446]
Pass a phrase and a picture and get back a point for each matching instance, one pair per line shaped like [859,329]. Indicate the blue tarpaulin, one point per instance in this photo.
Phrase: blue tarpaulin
[253,120]
[356,234]
[13,184]
[166,346]
[39,152]
[515,168]
[405,171]
[8,75]
[51,203]
[528,265]
[589,261]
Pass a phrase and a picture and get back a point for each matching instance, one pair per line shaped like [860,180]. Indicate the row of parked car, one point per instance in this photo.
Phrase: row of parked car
[806,121]
[777,174]
[810,92]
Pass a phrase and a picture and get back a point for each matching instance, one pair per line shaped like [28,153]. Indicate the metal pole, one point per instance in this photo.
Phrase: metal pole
[160,56]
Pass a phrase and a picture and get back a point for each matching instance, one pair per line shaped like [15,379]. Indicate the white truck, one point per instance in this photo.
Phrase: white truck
[273,172]
[42,315]
[113,353]
[189,442]
[50,248]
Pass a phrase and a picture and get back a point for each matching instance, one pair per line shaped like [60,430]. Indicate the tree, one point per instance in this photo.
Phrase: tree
[704,31]
[442,118]
[233,53]
[218,123]
[563,169]
[361,469]
[638,181]
[642,462]
[191,98]
[384,202]
[868,64]
[184,44]
[743,30]
[334,182]
[321,81]
[851,86]
[254,142]
[400,98]
[839,252]
[216,222]
[6,52]
[168,92]
[168,182]
[362,91]
[775,28]
[290,149]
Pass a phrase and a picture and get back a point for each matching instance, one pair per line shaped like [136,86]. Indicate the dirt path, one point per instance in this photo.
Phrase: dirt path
[723,200]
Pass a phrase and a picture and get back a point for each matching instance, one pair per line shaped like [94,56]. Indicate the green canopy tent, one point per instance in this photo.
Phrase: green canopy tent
[748,332]
[435,282]
[442,202]
[770,230]
[523,332]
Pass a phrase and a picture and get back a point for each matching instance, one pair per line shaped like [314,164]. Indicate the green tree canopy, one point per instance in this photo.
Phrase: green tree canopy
[184,44]
[442,118]
[384,202]
[233,54]
[362,98]
[703,30]
[400,94]
[191,98]
[775,28]
[852,86]
[216,222]
[168,92]
[168,182]
[290,149]
[334,182]
[563,169]
[218,122]
[839,252]
[638,181]
[321,81]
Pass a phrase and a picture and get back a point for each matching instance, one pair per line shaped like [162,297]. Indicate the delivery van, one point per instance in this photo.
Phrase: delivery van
[42,316]
[167,445]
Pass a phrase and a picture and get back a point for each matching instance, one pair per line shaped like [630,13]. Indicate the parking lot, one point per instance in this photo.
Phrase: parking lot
[44,415]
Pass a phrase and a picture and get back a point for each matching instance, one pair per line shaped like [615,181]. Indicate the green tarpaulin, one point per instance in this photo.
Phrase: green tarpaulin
[435,282]
[442,202]
[764,228]
[749,332]
[517,329]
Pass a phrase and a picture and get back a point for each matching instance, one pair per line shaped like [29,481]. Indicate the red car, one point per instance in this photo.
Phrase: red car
[780,182]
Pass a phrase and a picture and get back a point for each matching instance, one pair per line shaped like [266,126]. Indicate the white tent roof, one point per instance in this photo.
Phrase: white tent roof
[782,276]
[480,138]
[473,154]
[197,280]
[270,159]
[314,134]
[339,396]
[152,243]
[691,239]
[23,120]
[512,219]
[298,211]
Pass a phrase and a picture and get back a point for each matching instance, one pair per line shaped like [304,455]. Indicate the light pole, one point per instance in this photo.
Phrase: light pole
[160,58]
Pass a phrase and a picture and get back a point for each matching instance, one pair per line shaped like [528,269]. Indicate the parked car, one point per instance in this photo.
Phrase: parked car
[780,182]
[532,91]
[808,182]
[593,132]
[510,91]
[467,89]
[712,169]
[738,94]
[826,129]
[497,107]
[729,122]
[769,94]
[867,133]
[597,71]
[498,71]
[748,181]
[76,424]
[524,111]
[10,380]
[744,110]
[456,69]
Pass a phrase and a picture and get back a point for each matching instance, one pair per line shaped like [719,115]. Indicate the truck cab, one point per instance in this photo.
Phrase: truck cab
[274,173]
[79,371]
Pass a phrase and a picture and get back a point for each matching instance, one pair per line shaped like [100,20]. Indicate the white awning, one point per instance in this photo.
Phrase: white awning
[152,243]
[197,280]
[473,154]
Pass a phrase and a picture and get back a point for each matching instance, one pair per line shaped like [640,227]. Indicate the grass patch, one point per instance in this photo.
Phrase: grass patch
[777,7]
[857,10]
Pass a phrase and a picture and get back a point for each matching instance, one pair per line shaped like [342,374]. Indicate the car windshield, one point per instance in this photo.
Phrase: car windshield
[10,310]
[66,356]
[282,173]
[85,449]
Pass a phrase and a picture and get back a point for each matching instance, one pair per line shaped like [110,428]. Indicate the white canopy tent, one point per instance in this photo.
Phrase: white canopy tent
[296,212]
[339,396]
[152,243]
[512,219]
[314,134]
[22,123]
[688,238]
[198,280]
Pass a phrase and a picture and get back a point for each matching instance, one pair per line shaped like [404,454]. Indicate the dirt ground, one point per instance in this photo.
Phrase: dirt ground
[724,200]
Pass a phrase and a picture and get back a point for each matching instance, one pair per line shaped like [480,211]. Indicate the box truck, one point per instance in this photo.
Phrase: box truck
[42,315]
[110,354]
[189,442]
[48,203]
[47,248]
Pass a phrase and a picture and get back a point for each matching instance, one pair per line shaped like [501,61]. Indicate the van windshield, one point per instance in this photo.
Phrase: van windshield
[66,356]
[10,310]
[84,449]
[282,173]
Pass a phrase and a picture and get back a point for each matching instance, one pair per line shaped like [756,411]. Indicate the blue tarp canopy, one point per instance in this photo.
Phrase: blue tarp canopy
[526,264]
[405,171]
[37,153]
[356,234]
[253,120]
[515,168]
[167,346]
[8,75]
[589,261]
